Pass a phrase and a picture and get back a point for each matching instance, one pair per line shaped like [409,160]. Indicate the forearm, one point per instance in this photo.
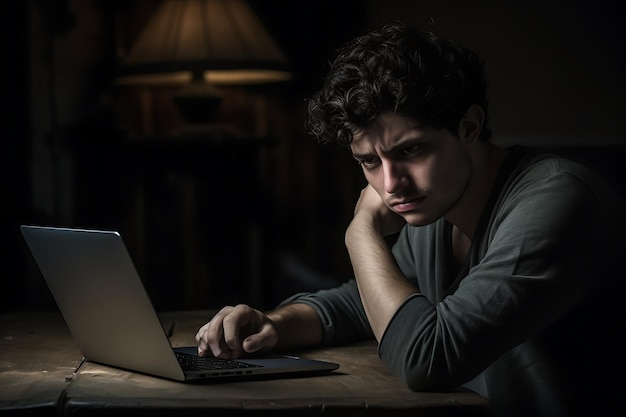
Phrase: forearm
[382,286]
[297,325]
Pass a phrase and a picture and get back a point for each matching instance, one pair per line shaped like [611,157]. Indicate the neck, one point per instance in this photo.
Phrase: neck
[486,161]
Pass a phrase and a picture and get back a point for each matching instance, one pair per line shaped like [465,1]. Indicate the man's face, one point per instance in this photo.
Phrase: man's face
[419,172]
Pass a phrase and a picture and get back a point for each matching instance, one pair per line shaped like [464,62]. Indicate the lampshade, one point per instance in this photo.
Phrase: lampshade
[199,44]
[220,41]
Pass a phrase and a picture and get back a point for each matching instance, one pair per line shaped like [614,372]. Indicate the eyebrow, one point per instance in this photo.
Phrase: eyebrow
[409,140]
[362,156]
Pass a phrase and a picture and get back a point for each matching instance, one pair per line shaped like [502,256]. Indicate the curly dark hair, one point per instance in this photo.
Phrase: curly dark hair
[396,69]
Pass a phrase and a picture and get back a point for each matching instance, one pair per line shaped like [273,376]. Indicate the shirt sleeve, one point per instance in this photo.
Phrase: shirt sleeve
[342,314]
[539,263]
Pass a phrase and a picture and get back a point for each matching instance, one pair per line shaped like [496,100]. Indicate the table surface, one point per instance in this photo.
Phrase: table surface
[41,369]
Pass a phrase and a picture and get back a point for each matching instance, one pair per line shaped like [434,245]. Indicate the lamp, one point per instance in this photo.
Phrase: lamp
[201,44]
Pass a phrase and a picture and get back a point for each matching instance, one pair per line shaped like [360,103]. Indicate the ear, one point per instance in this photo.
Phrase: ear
[471,124]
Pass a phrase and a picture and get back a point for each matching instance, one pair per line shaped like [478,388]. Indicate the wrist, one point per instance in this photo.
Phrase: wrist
[296,325]
[361,227]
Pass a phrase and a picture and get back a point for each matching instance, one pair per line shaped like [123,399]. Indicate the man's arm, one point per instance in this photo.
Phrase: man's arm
[297,325]
[242,329]
[382,286]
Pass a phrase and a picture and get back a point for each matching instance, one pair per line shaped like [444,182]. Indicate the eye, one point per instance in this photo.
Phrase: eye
[368,163]
[411,150]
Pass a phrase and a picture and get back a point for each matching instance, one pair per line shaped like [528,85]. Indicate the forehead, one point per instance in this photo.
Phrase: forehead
[386,130]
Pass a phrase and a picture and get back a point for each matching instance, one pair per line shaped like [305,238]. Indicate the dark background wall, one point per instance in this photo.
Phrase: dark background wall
[76,153]
[555,67]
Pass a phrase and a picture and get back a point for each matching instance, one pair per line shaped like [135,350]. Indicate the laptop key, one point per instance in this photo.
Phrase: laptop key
[198,363]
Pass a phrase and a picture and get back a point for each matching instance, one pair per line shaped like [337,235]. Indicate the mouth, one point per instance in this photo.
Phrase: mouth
[404,206]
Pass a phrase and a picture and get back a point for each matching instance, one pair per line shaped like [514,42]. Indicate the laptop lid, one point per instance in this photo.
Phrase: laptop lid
[104,303]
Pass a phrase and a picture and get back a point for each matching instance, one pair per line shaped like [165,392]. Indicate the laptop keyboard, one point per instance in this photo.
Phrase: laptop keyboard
[198,363]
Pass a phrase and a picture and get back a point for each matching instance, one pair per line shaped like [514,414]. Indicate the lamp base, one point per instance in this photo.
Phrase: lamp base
[208,131]
[198,102]
[197,110]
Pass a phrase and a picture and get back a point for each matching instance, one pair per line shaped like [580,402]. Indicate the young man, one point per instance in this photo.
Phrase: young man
[500,272]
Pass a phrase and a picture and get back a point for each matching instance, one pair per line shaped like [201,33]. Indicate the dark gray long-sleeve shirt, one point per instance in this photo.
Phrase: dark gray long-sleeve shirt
[529,319]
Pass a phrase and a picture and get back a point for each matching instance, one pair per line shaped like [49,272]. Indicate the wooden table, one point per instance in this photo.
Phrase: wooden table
[37,360]
[38,377]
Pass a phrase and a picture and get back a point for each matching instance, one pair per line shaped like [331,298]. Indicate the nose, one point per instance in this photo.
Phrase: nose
[394,177]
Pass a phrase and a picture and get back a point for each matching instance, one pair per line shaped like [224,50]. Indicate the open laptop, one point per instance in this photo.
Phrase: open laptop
[104,303]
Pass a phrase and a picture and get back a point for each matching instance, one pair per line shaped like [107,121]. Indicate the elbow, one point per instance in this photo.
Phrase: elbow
[419,381]
[417,385]
[422,354]
[422,374]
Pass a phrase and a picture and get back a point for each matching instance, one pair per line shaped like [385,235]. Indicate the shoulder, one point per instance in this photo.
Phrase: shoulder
[550,197]
[533,166]
[545,176]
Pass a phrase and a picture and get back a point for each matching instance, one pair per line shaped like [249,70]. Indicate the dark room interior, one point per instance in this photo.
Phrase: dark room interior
[181,124]
[253,209]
